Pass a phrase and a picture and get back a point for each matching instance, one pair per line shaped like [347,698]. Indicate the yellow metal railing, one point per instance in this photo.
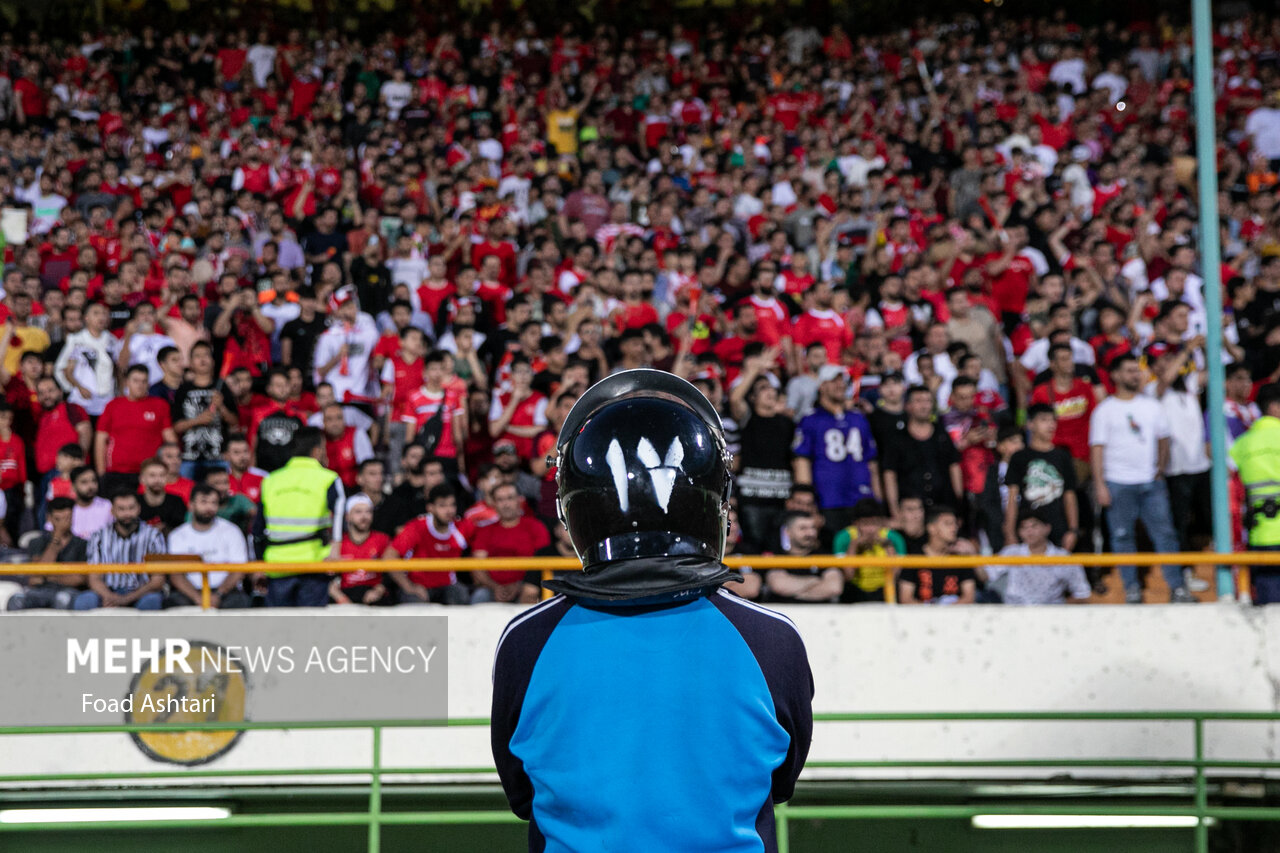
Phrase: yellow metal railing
[548,565]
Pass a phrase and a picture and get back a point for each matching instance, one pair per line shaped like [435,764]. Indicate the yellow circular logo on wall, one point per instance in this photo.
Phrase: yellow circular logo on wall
[213,691]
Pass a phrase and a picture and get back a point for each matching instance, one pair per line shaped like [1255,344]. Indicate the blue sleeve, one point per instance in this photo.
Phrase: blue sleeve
[518,650]
[803,446]
[779,650]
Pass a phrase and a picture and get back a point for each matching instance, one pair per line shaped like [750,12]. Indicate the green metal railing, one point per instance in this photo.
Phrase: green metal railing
[1196,766]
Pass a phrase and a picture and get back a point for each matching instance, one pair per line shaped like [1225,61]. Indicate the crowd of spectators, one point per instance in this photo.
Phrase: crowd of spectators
[942,282]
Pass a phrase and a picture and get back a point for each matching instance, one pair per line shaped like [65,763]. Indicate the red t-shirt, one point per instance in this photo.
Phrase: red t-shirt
[341,453]
[422,406]
[404,378]
[1074,408]
[772,321]
[420,540]
[248,484]
[825,326]
[57,427]
[478,515]
[524,539]
[371,548]
[181,488]
[13,462]
[529,412]
[431,298]
[635,317]
[135,431]
[1009,288]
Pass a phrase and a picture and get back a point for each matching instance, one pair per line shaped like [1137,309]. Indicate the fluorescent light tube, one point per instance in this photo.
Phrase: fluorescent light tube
[1066,821]
[92,815]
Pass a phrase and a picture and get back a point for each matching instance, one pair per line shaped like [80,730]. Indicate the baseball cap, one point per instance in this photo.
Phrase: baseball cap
[831,372]
[342,296]
[504,446]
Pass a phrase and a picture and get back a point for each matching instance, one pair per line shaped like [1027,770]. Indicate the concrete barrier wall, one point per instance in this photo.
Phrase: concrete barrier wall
[864,658]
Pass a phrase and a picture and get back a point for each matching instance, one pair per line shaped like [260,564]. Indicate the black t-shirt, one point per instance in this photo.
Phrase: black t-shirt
[333,244]
[171,512]
[405,503]
[1043,478]
[932,585]
[304,334]
[274,439]
[923,467]
[886,426]
[765,453]
[203,442]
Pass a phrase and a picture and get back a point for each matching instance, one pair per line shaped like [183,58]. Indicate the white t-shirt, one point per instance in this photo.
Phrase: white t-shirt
[360,339]
[1036,584]
[396,96]
[1036,356]
[1129,432]
[143,349]
[262,58]
[221,543]
[1263,124]
[1186,424]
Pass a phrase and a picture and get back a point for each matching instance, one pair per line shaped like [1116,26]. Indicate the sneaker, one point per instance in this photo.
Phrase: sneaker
[1193,583]
[1182,595]
[1133,595]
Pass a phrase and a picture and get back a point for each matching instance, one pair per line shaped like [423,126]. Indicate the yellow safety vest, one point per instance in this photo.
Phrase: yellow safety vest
[296,511]
[1257,455]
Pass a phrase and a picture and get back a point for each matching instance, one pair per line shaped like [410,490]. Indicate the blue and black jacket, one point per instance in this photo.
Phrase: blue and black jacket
[672,727]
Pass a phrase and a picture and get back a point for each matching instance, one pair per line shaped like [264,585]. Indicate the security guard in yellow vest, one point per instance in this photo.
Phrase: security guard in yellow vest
[1257,455]
[300,522]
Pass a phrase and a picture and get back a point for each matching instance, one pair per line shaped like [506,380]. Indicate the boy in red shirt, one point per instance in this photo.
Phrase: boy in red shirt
[430,536]
[362,542]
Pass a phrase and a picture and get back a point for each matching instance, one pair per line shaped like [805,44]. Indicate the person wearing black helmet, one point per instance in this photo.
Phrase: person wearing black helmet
[643,707]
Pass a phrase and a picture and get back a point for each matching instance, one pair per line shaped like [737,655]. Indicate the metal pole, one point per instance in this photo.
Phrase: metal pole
[1211,272]
[375,794]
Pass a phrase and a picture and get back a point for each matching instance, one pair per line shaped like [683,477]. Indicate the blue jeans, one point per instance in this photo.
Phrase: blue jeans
[1266,579]
[298,591]
[197,469]
[1148,503]
[90,600]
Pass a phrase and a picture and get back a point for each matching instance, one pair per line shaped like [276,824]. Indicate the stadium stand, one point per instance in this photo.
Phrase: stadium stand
[933,279]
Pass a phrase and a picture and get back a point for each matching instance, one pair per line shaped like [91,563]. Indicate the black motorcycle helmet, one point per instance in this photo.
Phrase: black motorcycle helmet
[643,480]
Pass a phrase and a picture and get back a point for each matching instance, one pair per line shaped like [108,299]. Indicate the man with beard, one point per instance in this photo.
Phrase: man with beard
[125,540]
[159,508]
[198,415]
[91,513]
[835,452]
[345,446]
[529,486]
[215,540]
[922,461]
[822,323]
[362,542]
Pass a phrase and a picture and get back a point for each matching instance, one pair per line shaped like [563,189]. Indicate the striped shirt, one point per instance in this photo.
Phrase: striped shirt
[108,546]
